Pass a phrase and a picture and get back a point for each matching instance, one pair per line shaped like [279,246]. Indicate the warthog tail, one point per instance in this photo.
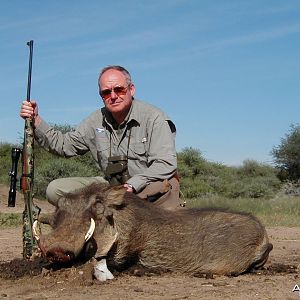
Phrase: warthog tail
[262,257]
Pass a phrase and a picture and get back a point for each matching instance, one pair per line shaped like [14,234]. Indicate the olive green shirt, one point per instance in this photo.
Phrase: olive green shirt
[147,137]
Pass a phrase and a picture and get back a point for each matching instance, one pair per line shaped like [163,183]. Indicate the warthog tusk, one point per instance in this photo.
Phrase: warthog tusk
[36,230]
[90,231]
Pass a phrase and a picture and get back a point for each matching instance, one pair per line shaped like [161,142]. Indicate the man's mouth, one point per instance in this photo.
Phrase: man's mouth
[115,103]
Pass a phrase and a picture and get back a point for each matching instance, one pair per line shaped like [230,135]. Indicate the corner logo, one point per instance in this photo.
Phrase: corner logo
[296,289]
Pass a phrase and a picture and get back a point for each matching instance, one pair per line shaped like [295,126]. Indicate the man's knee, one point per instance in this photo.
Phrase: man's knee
[52,192]
[59,187]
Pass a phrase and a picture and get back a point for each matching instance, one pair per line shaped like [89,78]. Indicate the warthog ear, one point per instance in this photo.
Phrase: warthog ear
[115,196]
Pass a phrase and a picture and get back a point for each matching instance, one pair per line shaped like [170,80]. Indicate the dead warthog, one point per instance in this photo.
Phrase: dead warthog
[125,230]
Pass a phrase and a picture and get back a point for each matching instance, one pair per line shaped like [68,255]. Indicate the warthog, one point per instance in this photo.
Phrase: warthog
[127,230]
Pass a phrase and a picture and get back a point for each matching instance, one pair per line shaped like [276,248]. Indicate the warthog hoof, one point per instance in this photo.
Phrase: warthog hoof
[101,271]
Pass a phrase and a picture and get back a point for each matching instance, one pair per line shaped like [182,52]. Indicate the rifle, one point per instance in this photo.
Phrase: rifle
[31,211]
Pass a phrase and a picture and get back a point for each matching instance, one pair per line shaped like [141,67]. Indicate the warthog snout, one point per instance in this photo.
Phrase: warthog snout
[59,255]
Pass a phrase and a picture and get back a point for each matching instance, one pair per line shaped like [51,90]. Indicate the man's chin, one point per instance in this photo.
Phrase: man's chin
[116,108]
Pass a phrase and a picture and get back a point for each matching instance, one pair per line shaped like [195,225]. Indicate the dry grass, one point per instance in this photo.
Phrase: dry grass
[278,211]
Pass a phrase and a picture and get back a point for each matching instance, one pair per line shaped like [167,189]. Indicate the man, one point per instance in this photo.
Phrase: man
[132,142]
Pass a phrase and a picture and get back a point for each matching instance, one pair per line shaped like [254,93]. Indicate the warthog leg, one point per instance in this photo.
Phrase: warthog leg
[101,271]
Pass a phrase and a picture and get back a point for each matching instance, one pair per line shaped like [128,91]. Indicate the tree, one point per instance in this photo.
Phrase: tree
[287,154]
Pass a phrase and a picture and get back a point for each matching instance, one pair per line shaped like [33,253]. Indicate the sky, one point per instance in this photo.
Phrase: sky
[226,72]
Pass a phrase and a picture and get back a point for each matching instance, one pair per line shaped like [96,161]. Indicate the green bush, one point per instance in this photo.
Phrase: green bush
[252,168]
[202,178]
[193,188]
[5,162]
[198,177]
[250,188]
[59,167]
[47,167]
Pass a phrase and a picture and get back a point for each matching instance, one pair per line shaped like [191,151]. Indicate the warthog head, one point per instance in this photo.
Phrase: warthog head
[79,218]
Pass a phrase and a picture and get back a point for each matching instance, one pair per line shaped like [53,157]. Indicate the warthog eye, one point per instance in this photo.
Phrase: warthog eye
[98,209]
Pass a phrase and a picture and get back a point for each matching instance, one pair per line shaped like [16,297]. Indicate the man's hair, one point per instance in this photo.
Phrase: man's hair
[118,68]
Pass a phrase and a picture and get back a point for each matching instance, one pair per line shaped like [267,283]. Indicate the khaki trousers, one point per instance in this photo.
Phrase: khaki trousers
[164,194]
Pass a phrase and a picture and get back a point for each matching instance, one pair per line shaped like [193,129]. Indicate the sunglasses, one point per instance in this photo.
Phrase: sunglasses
[118,90]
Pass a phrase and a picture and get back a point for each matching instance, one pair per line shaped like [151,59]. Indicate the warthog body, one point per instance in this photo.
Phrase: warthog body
[130,230]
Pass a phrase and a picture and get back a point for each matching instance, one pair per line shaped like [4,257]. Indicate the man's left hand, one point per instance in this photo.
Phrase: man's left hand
[129,187]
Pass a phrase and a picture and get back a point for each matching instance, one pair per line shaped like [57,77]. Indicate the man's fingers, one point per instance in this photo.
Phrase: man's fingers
[28,109]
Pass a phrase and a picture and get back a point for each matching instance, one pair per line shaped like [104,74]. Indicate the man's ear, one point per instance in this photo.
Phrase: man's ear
[115,196]
[132,89]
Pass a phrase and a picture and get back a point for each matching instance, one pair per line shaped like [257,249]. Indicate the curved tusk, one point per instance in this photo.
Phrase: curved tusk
[90,231]
[36,230]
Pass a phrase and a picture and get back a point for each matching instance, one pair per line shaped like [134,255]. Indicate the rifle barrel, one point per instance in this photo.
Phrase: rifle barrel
[30,44]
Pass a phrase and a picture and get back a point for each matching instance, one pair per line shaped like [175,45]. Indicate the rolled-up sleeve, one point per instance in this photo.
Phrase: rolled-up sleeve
[63,144]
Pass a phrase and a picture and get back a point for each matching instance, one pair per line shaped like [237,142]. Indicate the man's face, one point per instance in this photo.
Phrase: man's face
[116,93]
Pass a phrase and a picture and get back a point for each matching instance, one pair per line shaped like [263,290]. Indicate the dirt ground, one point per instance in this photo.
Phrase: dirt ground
[21,279]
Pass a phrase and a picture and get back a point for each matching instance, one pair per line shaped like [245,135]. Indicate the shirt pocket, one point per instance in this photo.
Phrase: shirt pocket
[103,148]
[138,152]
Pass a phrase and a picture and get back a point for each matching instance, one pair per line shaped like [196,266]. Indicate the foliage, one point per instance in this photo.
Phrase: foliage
[58,167]
[198,177]
[287,155]
[251,168]
[5,161]
[48,166]
[202,178]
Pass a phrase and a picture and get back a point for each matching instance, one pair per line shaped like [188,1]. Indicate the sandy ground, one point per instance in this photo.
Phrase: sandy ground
[276,281]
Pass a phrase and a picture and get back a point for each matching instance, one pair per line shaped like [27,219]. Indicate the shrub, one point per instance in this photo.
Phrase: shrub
[60,168]
[5,161]
[193,188]
[252,168]
[198,177]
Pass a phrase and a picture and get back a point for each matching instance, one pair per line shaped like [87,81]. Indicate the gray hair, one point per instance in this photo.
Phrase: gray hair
[118,68]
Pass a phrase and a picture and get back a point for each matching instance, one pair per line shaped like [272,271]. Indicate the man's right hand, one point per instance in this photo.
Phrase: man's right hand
[29,109]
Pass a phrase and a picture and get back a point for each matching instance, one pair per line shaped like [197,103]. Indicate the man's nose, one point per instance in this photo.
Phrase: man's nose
[113,95]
